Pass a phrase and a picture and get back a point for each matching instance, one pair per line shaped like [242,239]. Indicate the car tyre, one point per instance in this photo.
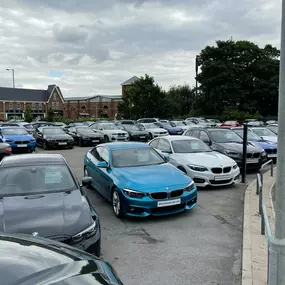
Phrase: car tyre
[106,139]
[150,136]
[45,147]
[71,147]
[80,143]
[116,204]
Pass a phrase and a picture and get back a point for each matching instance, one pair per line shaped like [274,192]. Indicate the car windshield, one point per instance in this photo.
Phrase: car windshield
[273,129]
[224,136]
[53,131]
[189,146]
[179,123]
[166,125]
[84,130]
[14,131]
[35,179]
[251,136]
[151,126]
[28,126]
[264,132]
[109,127]
[136,157]
[132,128]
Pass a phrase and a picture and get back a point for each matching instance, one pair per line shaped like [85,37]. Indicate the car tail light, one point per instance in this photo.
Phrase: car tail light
[8,149]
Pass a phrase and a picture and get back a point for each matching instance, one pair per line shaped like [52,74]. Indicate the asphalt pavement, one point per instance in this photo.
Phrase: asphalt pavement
[199,247]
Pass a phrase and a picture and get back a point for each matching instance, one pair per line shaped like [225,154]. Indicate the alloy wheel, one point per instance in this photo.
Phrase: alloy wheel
[116,203]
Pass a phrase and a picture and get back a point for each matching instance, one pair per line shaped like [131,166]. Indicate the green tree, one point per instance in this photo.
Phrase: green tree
[238,75]
[50,115]
[144,98]
[180,100]
[28,114]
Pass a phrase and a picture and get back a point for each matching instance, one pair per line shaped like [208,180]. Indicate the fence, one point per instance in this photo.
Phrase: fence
[265,225]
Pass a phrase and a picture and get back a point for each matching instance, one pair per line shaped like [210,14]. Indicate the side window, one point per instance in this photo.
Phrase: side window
[96,152]
[154,143]
[189,133]
[94,127]
[195,133]
[164,145]
[105,155]
[204,136]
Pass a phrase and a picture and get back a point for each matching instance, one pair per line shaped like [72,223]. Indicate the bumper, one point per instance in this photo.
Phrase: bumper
[149,207]
[119,139]
[159,135]
[272,155]
[253,163]
[139,138]
[51,144]
[92,141]
[210,179]
[19,147]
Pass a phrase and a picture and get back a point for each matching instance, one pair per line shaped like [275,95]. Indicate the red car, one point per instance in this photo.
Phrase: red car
[230,124]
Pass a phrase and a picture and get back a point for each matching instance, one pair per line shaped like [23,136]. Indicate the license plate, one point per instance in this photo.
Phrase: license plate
[95,140]
[22,145]
[222,177]
[252,160]
[169,203]
[62,143]
[142,137]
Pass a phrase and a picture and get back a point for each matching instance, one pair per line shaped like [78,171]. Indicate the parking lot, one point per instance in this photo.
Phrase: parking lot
[202,246]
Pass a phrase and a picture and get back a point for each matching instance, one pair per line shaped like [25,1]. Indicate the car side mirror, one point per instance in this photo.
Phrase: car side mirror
[166,156]
[87,181]
[40,134]
[166,152]
[102,164]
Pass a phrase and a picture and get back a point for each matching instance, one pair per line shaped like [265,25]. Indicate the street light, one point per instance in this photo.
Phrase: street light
[13,75]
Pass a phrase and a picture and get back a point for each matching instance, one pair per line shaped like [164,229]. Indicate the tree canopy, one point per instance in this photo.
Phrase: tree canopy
[234,78]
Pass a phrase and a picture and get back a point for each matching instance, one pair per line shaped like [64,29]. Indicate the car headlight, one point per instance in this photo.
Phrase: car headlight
[86,233]
[190,187]
[198,168]
[6,140]
[232,153]
[235,166]
[263,153]
[70,139]
[50,139]
[134,194]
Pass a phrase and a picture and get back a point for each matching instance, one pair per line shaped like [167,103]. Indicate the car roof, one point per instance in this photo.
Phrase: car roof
[32,159]
[124,145]
[13,127]
[177,138]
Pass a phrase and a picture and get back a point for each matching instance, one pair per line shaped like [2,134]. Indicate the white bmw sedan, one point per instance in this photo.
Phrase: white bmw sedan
[197,160]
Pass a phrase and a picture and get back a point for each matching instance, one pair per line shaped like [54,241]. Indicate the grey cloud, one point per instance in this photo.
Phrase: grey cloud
[69,34]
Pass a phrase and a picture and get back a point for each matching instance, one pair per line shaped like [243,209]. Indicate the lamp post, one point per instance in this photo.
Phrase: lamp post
[13,75]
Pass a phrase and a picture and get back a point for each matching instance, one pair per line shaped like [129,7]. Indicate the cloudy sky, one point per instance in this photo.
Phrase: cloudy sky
[90,47]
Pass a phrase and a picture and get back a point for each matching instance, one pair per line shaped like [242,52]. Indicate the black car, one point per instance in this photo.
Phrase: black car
[85,136]
[229,143]
[136,133]
[28,260]
[40,195]
[5,150]
[53,137]
[127,122]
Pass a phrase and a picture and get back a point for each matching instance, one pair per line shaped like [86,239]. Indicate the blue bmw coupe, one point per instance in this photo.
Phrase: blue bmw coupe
[138,181]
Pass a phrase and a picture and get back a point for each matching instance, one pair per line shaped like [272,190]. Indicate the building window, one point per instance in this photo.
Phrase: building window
[83,108]
[33,106]
[40,106]
[11,105]
[18,106]
[54,96]
[52,105]
[56,105]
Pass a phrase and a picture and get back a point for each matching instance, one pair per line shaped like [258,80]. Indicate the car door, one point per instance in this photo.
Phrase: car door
[165,148]
[105,174]
[93,158]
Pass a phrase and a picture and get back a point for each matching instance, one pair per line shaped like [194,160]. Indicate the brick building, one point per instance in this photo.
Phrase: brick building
[13,102]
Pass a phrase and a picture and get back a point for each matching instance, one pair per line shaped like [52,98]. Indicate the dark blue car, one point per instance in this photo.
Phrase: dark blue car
[18,138]
[172,130]
[269,147]
[139,181]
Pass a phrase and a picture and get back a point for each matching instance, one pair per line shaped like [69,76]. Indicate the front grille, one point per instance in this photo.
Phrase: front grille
[158,195]
[61,238]
[217,170]
[227,169]
[162,133]
[21,142]
[120,134]
[176,193]
[249,155]
[220,181]
[62,140]
[256,155]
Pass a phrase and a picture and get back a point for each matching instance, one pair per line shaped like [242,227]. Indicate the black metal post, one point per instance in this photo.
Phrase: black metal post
[196,70]
[244,154]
